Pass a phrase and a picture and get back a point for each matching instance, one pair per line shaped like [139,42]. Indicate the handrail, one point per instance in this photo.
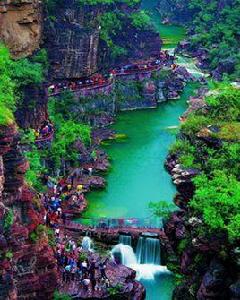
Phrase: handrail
[107,223]
[84,87]
[92,86]
[49,137]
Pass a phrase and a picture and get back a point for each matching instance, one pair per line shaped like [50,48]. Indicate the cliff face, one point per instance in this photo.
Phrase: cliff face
[72,38]
[20,26]
[175,11]
[27,268]
[33,110]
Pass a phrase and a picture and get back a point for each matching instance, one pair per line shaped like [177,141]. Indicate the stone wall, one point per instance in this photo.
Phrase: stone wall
[20,26]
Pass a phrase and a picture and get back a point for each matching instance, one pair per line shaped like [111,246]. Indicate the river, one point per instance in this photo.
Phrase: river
[137,175]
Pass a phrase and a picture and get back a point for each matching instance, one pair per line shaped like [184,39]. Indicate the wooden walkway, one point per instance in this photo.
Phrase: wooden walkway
[128,230]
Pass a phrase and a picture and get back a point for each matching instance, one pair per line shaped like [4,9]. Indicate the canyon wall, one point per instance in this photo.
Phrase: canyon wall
[27,265]
[20,26]
[72,39]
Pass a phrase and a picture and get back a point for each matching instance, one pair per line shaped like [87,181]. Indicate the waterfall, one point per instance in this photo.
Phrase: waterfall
[125,254]
[146,262]
[86,243]
[125,239]
[148,251]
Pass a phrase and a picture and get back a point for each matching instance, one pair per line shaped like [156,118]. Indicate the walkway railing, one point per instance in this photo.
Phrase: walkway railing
[136,69]
[43,140]
[89,86]
[107,223]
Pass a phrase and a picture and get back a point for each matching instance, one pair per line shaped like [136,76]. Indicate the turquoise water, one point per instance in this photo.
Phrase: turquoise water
[171,35]
[137,175]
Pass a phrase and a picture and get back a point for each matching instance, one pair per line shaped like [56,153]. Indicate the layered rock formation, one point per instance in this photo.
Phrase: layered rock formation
[20,26]
[33,109]
[27,267]
[72,39]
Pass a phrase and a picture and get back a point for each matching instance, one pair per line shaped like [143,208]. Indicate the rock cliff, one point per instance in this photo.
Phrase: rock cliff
[20,26]
[72,39]
[27,267]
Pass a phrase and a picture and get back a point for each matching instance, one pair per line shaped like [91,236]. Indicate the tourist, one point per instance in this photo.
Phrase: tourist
[86,283]
[84,267]
[102,267]
[63,218]
[90,170]
[67,273]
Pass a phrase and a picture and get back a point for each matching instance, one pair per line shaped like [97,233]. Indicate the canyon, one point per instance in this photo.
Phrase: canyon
[100,65]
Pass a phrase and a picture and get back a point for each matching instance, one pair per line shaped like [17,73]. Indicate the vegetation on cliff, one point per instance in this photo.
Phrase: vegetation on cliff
[14,76]
[213,28]
[216,27]
[67,132]
[216,198]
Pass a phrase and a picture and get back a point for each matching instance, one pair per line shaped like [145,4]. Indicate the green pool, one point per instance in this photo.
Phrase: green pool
[137,175]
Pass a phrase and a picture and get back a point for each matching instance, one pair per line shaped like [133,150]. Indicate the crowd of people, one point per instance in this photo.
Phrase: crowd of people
[45,130]
[94,80]
[81,266]
[99,79]
[76,264]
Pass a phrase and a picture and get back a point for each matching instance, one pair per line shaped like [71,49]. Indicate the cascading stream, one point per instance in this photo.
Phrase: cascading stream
[146,262]
[125,239]
[148,251]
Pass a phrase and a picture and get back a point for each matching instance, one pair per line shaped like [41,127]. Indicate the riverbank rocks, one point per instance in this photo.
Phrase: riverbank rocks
[117,274]
[182,178]
[214,283]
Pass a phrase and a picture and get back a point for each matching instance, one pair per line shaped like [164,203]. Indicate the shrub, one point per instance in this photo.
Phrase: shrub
[8,219]
[217,199]
[60,296]
[161,209]
[140,19]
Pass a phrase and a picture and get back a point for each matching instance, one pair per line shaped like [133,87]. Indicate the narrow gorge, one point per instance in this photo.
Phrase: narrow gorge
[119,149]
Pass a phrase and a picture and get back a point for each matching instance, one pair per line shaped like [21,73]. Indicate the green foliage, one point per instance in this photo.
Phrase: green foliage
[62,108]
[67,131]
[60,296]
[51,237]
[161,209]
[217,30]
[8,219]
[38,233]
[7,100]
[140,19]
[225,104]
[9,255]
[114,290]
[183,147]
[194,124]
[110,23]
[182,246]
[217,193]
[41,58]
[82,256]
[218,201]
[65,137]
[14,76]
[33,156]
